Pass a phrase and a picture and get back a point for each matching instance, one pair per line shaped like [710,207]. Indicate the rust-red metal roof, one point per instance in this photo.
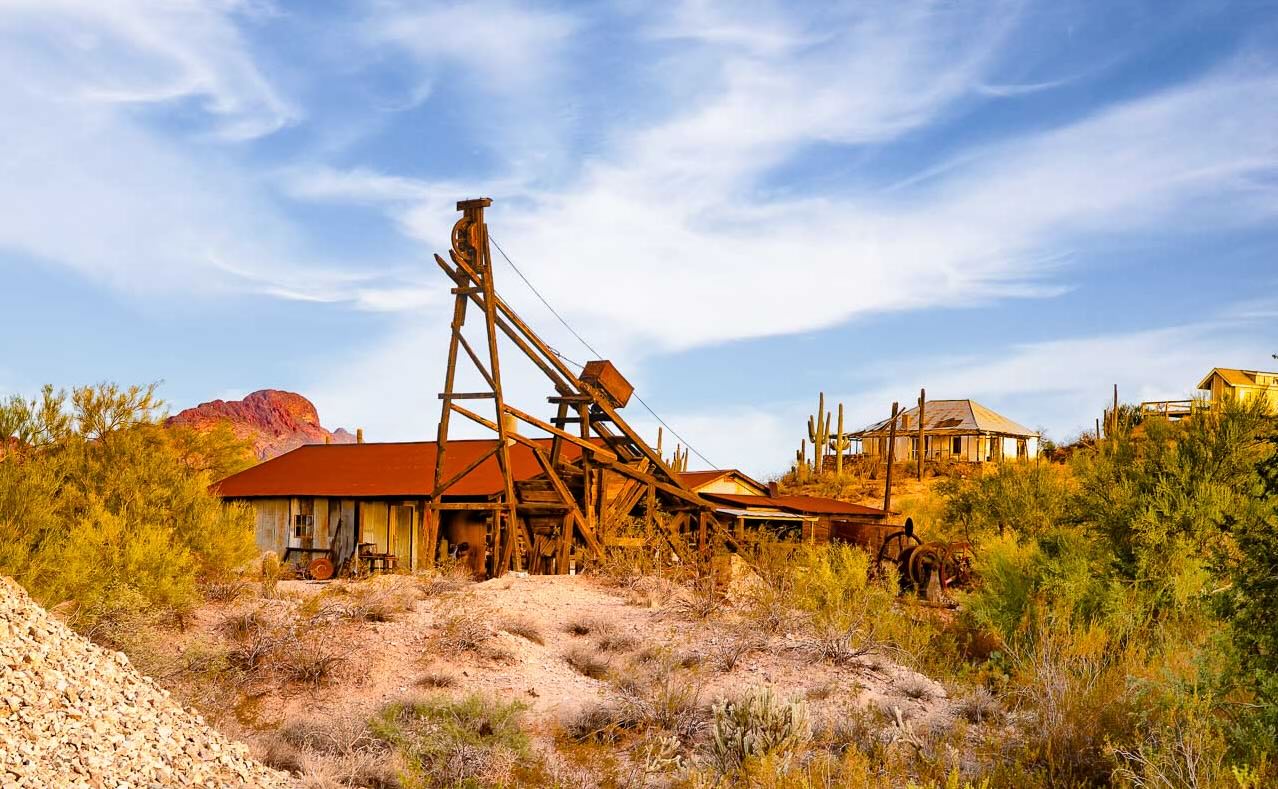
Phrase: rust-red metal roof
[808,505]
[381,470]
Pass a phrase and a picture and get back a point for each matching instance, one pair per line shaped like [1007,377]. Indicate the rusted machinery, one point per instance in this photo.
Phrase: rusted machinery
[927,568]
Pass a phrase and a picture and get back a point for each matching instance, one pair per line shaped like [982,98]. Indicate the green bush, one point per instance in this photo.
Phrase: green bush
[473,742]
[103,508]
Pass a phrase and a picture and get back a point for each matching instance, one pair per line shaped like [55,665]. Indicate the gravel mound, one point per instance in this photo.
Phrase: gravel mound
[75,715]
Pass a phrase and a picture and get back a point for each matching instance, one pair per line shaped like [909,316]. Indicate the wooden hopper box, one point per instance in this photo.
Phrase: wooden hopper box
[602,375]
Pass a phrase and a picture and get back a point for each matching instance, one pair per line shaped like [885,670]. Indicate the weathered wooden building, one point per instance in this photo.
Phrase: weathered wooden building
[324,499]
[961,430]
[742,503]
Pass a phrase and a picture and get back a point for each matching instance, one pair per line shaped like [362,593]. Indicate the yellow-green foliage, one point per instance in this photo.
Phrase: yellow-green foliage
[1114,602]
[101,504]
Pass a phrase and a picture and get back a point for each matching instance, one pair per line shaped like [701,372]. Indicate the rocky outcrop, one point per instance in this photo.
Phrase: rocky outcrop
[75,715]
[272,420]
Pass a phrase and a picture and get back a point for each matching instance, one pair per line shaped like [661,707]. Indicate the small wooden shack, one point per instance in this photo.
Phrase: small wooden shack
[743,504]
[325,499]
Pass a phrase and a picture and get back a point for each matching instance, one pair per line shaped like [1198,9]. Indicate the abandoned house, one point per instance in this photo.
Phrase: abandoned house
[961,430]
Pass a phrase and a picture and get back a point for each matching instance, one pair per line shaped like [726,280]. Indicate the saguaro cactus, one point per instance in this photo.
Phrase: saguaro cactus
[840,443]
[801,462]
[819,435]
[680,460]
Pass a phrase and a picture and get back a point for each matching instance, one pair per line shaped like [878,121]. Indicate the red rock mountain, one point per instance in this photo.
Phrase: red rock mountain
[273,421]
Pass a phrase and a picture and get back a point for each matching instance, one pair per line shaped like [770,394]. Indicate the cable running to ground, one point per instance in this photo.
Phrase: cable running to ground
[590,348]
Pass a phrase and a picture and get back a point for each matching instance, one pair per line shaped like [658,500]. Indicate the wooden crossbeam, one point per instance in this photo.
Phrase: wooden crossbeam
[474,464]
[603,454]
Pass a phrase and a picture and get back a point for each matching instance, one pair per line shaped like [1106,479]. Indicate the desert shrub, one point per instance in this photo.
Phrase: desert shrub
[101,503]
[465,630]
[475,741]
[980,705]
[600,721]
[849,613]
[697,600]
[525,629]
[445,577]
[583,625]
[437,679]
[1025,498]
[657,696]
[756,726]
[734,645]
[271,570]
[616,642]
[331,752]
[587,662]
[376,599]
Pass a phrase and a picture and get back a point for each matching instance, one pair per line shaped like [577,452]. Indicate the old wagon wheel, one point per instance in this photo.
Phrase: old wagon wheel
[896,544]
[925,560]
[320,569]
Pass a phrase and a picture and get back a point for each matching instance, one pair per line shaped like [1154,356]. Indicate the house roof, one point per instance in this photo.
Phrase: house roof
[381,470]
[695,479]
[1233,377]
[806,505]
[951,416]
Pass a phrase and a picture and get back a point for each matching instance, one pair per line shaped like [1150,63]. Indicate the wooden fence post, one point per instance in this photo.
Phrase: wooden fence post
[891,455]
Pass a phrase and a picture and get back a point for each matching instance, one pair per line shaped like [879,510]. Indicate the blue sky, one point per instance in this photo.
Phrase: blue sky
[740,203]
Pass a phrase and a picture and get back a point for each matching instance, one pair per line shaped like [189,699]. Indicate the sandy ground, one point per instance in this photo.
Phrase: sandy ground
[387,661]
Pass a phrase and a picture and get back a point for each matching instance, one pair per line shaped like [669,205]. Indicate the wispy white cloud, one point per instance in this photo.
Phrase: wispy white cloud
[144,52]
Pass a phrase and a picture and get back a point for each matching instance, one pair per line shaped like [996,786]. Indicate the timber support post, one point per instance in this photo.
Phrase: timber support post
[922,451]
[891,457]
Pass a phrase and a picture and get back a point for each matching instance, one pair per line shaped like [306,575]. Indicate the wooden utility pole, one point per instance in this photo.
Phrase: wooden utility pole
[922,453]
[891,456]
[839,445]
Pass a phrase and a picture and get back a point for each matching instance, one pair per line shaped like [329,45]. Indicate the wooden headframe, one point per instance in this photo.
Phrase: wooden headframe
[604,441]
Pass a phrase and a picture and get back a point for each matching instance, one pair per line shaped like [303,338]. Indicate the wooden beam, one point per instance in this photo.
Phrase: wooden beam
[602,453]
[582,524]
[467,395]
[673,490]
[469,505]
[474,464]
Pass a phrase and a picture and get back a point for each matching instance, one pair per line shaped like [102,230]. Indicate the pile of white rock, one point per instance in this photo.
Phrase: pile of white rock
[75,715]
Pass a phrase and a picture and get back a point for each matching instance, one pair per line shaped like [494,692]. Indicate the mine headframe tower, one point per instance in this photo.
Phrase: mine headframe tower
[571,494]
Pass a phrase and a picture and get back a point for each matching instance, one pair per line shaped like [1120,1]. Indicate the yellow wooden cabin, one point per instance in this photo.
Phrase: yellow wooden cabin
[1224,383]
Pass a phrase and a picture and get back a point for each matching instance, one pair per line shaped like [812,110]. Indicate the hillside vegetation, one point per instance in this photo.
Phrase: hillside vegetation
[105,514]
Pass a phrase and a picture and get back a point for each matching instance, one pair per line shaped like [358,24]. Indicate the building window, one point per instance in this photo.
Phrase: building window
[303,526]
[956,445]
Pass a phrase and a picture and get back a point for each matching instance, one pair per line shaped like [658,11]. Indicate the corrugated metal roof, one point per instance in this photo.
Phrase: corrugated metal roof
[808,505]
[381,470]
[951,416]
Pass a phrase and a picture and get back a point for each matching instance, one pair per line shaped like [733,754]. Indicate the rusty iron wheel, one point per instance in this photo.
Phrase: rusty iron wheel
[924,560]
[894,545]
